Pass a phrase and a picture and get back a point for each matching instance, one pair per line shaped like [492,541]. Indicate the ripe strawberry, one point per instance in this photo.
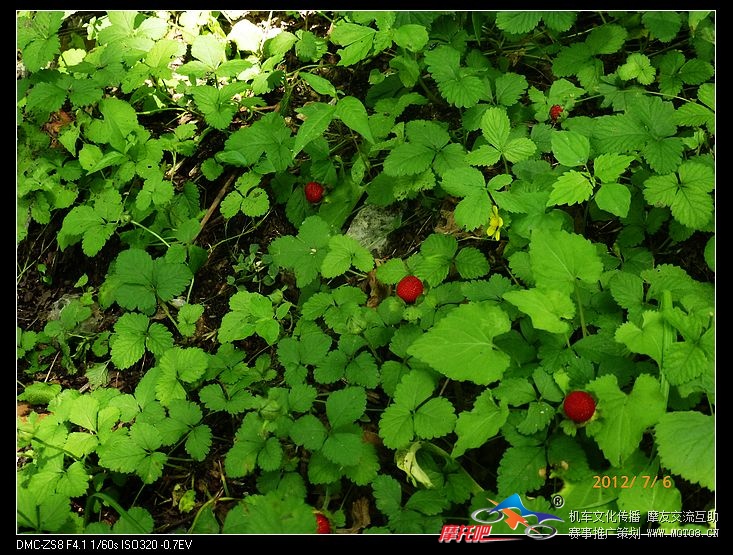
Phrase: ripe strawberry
[323,526]
[313,192]
[409,289]
[579,406]
[555,112]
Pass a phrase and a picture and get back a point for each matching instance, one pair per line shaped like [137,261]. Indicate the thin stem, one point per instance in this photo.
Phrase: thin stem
[133,222]
[580,312]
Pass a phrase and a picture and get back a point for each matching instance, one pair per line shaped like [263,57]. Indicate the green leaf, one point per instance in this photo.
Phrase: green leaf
[412,37]
[495,126]
[663,26]
[434,418]
[518,22]
[686,444]
[396,426]
[318,117]
[647,340]
[547,308]
[624,418]
[309,432]
[509,87]
[570,188]
[558,258]
[570,148]
[343,448]
[304,253]
[356,39]
[639,67]
[345,406]
[471,263]
[250,313]
[606,39]
[520,470]
[344,252]
[473,428]
[436,254]
[317,83]
[686,193]
[614,198]
[684,361]
[351,111]
[609,167]
[461,347]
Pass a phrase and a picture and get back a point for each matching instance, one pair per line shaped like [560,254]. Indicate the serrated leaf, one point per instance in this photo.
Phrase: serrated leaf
[408,159]
[558,258]
[342,448]
[663,26]
[570,188]
[434,418]
[570,148]
[344,252]
[547,308]
[686,444]
[308,432]
[351,111]
[461,345]
[629,416]
[471,263]
[518,22]
[520,470]
[495,126]
[345,406]
[509,87]
[318,117]
[686,193]
[614,198]
[473,428]
[609,167]
[319,84]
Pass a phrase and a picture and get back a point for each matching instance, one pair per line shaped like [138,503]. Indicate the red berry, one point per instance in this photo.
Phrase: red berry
[555,112]
[409,289]
[323,526]
[313,192]
[579,406]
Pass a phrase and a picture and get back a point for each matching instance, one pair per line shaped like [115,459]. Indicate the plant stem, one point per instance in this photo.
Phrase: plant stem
[580,312]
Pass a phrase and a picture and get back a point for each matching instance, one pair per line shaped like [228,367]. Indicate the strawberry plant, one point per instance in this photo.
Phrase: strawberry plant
[359,272]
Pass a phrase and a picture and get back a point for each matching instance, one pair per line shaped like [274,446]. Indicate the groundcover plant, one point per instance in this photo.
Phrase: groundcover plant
[214,212]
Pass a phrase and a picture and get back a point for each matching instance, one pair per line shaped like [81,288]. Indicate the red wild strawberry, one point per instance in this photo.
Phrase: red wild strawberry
[323,526]
[555,112]
[313,192]
[409,289]
[579,406]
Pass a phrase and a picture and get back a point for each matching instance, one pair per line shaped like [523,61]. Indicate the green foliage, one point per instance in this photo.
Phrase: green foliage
[556,250]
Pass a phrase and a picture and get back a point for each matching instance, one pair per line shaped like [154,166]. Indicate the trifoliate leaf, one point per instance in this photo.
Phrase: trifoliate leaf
[345,252]
[304,253]
[663,26]
[686,193]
